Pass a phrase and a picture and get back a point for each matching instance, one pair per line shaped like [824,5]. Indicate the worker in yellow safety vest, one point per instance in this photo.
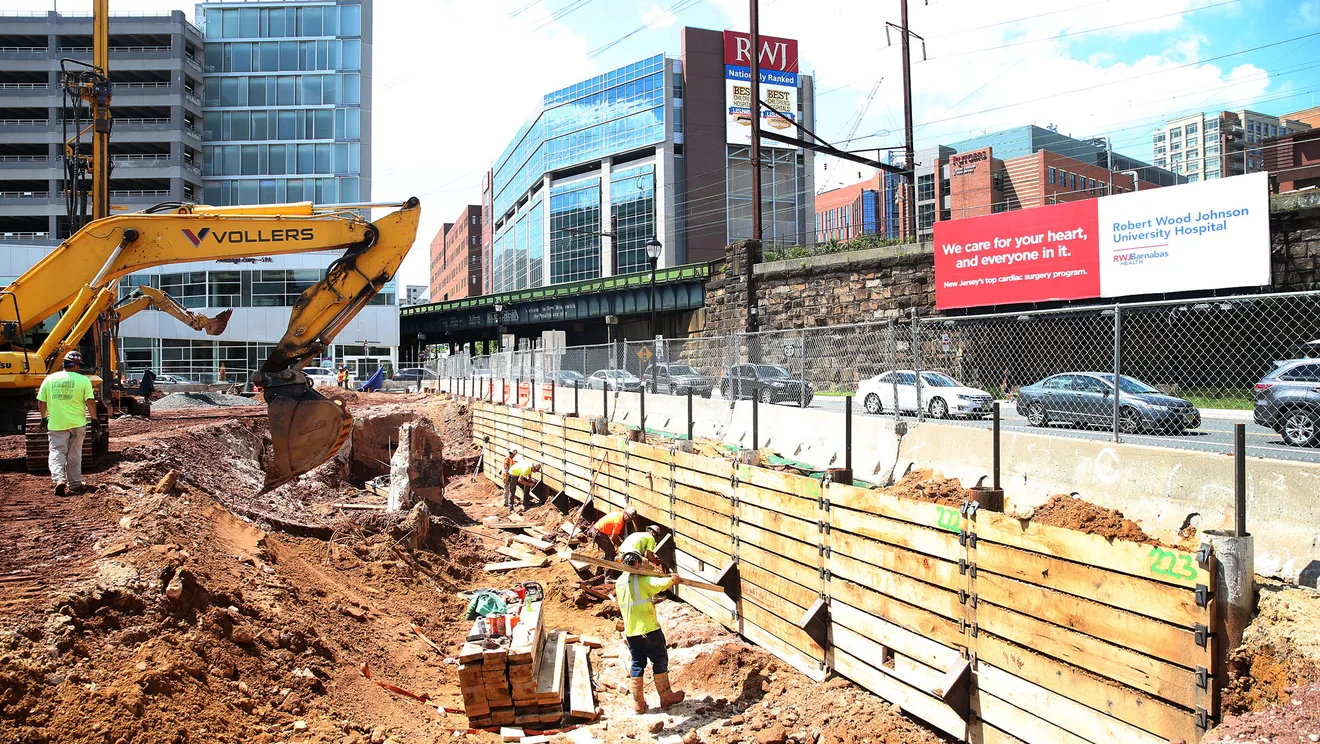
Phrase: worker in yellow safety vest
[521,476]
[646,640]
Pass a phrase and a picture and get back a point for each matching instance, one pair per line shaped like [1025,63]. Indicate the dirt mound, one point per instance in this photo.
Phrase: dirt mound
[1296,720]
[836,711]
[732,671]
[1063,510]
[925,485]
[1280,651]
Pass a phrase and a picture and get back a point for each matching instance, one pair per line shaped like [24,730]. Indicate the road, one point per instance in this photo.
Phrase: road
[1214,434]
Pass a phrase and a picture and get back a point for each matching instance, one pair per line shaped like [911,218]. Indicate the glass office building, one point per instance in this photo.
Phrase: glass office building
[602,166]
[285,117]
[287,102]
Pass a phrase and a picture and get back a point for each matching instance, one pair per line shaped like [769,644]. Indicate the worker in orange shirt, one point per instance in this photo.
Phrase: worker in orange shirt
[608,531]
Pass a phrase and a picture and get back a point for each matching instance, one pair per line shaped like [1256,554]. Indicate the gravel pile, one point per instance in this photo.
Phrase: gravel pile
[175,401]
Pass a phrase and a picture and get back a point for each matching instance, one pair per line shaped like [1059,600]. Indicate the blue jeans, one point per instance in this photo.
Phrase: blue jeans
[649,647]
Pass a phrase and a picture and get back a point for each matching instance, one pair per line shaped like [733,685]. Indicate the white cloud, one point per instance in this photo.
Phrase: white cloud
[1308,14]
[657,17]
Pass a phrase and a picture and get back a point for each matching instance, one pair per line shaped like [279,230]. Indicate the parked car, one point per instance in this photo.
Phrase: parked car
[321,376]
[677,379]
[1303,350]
[167,379]
[413,374]
[569,378]
[614,379]
[1087,398]
[769,383]
[481,374]
[1288,401]
[941,396]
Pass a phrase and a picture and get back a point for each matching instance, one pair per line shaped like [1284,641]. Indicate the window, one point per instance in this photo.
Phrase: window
[1192,129]
[925,188]
[1177,158]
[1302,373]
[1062,382]
[1074,181]
[1159,137]
[1175,146]
[1052,173]
[1175,133]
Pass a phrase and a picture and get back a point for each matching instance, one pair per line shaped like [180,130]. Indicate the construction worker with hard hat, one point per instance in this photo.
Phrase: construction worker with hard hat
[67,403]
[644,543]
[608,531]
[646,640]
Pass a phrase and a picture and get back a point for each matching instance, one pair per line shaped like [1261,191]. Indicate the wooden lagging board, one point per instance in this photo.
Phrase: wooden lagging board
[1116,621]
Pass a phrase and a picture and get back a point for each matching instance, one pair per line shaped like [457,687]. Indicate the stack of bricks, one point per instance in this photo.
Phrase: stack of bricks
[499,677]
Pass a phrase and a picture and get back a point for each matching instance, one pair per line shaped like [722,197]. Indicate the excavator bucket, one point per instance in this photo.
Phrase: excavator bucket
[306,429]
[216,326]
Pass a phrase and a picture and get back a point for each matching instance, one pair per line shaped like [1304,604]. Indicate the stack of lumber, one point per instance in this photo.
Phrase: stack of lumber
[499,680]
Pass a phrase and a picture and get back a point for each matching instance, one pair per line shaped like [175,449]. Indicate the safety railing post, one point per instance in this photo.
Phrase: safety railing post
[1118,367]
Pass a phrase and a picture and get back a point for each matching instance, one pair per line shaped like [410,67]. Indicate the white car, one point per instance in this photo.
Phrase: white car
[322,376]
[941,395]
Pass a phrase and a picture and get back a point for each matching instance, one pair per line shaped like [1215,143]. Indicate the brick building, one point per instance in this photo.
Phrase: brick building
[1293,161]
[456,257]
[981,184]
[850,211]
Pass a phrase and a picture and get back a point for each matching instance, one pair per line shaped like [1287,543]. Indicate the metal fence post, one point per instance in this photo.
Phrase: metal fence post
[1118,365]
[802,367]
[893,356]
[916,364]
[689,407]
[756,424]
[576,386]
[641,401]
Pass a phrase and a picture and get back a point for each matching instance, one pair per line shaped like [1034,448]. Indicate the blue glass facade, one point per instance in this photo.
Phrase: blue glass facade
[632,195]
[574,217]
[284,93]
[613,112]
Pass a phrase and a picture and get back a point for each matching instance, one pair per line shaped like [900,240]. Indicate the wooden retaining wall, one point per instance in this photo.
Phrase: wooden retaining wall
[986,627]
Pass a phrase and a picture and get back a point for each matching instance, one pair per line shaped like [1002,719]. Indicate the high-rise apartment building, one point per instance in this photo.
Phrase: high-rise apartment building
[456,257]
[1218,145]
[155,147]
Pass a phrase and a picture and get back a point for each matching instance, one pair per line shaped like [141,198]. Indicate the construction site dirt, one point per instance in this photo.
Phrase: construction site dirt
[203,611]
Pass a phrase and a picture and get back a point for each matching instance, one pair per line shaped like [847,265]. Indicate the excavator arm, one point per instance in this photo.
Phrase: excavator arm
[80,275]
[150,298]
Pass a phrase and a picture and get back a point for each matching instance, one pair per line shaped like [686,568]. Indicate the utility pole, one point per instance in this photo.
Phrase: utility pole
[754,245]
[908,154]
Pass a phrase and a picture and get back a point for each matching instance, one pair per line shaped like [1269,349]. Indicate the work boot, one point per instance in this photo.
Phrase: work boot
[668,696]
[639,694]
[60,489]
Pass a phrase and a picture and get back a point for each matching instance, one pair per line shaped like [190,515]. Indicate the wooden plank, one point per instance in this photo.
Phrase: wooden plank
[805,576]
[1143,596]
[700,550]
[716,467]
[894,507]
[1123,703]
[916,618]
[716,503]
[788,504]
[905,669]
[582,701]
[804,553]
[697,531]
[942,573]
[534,542]
[921,538]
[802,529]
[720,522]
[926,707]
[782,628]
[1020,723]
[896,585]
[790,591]
[1137,632]
[700,480]
[774,480]
[517,554]
[914,645]
[786,652]
[541,562]
[1098,657]
[651,452]
[550,679]
[1058,709]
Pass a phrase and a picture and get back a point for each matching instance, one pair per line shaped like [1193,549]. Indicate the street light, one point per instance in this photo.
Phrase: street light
[499,325]
[653,248]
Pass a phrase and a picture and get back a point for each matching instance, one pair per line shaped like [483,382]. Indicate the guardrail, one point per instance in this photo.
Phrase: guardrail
[25,236]
[24,86]
[135,85]
[139,193]
[118,50]
[24,122]
[24,158]
[23,50]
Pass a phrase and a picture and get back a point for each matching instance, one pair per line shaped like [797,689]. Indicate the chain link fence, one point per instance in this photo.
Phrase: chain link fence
[1176,360]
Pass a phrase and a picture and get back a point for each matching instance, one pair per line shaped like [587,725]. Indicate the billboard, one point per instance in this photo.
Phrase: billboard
[1206,235]
[779,87]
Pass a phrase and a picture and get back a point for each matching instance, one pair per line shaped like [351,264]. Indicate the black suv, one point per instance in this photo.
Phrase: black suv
[769,383]
[1288,401]
[677,379]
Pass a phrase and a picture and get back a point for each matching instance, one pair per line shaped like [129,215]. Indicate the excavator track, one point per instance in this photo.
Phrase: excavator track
[37,442]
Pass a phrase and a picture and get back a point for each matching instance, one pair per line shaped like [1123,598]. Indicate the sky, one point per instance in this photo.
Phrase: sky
[455,79]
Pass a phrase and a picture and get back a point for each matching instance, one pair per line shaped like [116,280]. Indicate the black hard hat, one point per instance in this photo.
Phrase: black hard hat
[632,559]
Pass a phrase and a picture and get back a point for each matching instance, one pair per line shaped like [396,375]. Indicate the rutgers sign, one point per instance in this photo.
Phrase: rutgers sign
[776,53]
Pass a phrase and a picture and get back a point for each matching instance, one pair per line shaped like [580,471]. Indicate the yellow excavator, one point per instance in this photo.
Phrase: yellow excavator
[81,277]
[150,298]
